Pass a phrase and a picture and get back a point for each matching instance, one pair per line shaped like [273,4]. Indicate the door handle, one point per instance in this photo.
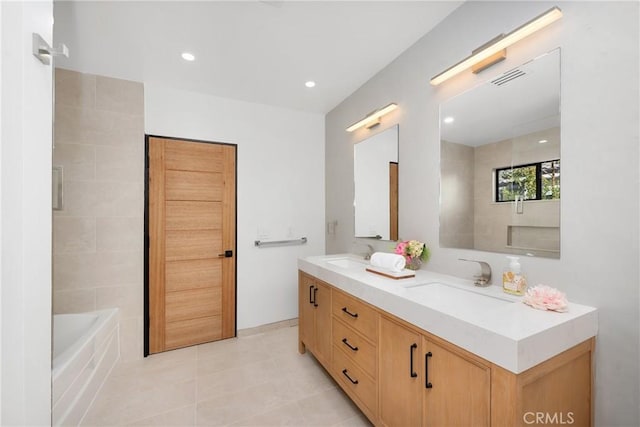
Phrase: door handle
[427,384]
[226,254]
[311,301]
[346,310]
[411,371]
[345,373]
[346,342]
[315,294]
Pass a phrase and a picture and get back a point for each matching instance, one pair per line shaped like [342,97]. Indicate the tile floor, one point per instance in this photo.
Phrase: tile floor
[255,380]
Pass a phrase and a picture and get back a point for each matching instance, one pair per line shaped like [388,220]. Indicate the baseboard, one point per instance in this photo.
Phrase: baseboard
[268,327]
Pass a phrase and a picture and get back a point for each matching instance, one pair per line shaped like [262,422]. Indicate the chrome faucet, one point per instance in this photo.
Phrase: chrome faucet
[367,256]
[484,279]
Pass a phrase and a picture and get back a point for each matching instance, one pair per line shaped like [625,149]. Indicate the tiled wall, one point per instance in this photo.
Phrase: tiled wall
[492,219]
[456,199]
[98,235]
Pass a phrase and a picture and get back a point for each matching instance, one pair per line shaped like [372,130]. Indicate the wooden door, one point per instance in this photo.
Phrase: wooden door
[191,229]
[400,400]
[323,322]
[306,313]
[460,388]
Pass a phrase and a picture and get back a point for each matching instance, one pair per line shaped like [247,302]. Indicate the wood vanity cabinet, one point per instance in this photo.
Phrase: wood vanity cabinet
[355,351]
[314,308]
[456,386]
[426,381]
[402,376]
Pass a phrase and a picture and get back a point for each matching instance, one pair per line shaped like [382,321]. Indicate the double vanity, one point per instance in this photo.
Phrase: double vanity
[435,350]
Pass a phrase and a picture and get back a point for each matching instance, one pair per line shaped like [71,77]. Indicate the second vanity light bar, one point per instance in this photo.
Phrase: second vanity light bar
[501,42]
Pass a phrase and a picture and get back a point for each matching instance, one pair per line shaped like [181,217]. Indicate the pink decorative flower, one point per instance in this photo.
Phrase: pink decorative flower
[414,252]
[400,248]
[545,297]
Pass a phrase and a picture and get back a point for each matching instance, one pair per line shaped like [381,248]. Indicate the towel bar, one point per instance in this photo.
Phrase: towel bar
[300,241]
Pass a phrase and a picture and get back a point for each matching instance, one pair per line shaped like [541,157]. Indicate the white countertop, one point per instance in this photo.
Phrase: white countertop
[496,326]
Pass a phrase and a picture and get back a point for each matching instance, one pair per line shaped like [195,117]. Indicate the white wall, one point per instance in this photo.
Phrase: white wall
[600,162]
[25,227]
[280,191]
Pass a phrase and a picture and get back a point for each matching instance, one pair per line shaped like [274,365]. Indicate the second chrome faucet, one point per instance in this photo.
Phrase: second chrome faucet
[484,278]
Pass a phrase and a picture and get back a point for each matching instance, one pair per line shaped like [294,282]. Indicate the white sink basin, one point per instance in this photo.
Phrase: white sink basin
[462,288]
[346,263]
[457,302]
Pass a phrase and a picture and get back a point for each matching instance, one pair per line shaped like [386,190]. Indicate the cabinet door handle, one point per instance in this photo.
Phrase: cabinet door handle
[427,384]
[315,294]
[411,371]
[344,340]
[311,301]
[349,313]
[344,372]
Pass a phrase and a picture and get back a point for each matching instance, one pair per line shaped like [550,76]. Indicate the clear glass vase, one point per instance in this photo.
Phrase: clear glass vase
[414,264]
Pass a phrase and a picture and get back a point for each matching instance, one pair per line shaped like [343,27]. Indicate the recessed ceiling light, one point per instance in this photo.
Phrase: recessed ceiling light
[542,141]
[448,119]
[188,56]
[310,83]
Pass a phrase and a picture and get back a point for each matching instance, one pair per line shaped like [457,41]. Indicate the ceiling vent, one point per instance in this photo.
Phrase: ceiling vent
[508,76]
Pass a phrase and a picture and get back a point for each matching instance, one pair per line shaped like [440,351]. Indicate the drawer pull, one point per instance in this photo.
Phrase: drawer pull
[315,294]
[411,371]
[349,313]
[427,384]
[344,372]
[345,342]
[311,294]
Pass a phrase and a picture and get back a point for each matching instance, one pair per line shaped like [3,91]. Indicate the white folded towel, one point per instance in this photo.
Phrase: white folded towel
[393,262]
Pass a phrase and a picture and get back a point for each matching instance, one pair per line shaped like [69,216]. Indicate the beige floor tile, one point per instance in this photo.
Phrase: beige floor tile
[286,415]
[232,407]
[185,416]
[256,380]
[327,408]
[356,421]
[284,338]
[143,379]
[126,407]
[231,355]
[292,361]
[225,347]
[157,362]
[235,379]
[304,384]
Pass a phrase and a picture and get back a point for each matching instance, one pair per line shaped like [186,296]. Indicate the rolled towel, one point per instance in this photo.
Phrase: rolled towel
[393,262]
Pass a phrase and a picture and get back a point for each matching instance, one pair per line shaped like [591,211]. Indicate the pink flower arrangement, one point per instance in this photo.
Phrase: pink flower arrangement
[412,250]
[545,297]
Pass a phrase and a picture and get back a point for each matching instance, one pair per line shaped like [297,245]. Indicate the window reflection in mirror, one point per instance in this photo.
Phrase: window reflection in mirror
[500,163]
[375,167]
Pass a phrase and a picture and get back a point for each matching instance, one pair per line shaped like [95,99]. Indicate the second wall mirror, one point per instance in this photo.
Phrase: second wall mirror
[500,163]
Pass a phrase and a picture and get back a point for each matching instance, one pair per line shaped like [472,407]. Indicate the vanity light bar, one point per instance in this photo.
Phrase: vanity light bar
[373,117]
[500,43]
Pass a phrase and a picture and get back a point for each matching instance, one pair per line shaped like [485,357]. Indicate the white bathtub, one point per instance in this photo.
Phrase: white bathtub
[85,349]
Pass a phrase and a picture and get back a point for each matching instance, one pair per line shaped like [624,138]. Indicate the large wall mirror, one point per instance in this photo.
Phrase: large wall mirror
[375,173]
[500,163]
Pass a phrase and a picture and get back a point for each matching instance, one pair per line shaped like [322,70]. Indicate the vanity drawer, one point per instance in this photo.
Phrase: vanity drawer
[354,380]
[356,314]
[354,346]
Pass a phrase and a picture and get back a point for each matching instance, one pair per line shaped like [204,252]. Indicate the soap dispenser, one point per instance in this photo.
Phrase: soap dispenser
[513,281]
